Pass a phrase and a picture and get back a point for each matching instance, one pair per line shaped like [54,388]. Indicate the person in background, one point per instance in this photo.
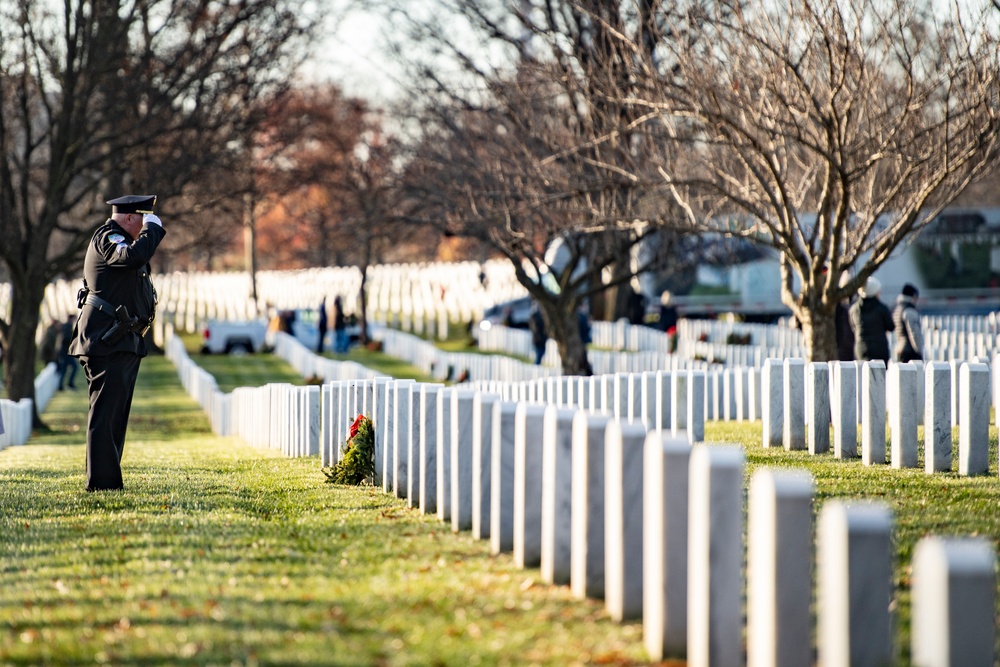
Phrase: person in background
[117,304]
[843,333]
[583,322]
[842,330]
[668,312]
[906,323]
[48,350]
[340,342]
[66,363]
[536,323]
[321,324]
[870,322]
[635,306]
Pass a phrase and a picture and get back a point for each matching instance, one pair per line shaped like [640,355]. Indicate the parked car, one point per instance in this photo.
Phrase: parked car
[514,313]
[233,337]
[304,323]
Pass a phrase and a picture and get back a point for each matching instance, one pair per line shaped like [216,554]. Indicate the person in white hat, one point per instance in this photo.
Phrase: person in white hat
[871,320]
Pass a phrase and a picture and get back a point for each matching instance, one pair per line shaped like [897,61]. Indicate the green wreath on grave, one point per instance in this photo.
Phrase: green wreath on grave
[357,460]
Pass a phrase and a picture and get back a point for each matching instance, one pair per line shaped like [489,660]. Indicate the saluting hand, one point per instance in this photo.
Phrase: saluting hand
[152,219]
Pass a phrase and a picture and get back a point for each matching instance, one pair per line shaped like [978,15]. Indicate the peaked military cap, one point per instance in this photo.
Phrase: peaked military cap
[133,204]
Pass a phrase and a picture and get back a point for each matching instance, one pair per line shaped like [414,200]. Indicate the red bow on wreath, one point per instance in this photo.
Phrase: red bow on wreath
[355,426]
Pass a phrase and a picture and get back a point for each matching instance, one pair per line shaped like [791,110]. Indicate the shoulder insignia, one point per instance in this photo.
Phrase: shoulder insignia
[116,238]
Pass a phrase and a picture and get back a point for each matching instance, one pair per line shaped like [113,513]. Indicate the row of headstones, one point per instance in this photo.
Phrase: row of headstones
[277,415]
[655,528]
[774,336]
[517,342]
[986,324]
[433,325]
[15,421]
[442,365]
[405,288]
[661,400]
[621,335]
[573,507]
[199,384]
[420,291]
[308,364]
[944,345]
[17,417]
[617,359]
[624,357]
[736,394]
[937,394]
[706,339]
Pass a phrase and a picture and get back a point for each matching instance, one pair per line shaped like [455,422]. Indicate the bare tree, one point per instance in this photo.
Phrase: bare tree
[329,172]
[101,97]
[830,130]
[534,151]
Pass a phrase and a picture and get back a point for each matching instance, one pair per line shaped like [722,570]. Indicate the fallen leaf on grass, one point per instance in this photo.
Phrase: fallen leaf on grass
[612,659]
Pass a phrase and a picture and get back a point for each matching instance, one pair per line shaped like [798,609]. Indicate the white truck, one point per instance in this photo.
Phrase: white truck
[233,337]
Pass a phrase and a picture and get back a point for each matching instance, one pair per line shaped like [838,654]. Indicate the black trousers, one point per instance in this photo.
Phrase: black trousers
[112,382]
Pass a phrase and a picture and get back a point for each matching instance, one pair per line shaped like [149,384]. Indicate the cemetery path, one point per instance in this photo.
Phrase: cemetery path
[218,553]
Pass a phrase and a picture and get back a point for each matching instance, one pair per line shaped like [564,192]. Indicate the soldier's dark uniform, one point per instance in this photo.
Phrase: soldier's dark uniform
[116,273]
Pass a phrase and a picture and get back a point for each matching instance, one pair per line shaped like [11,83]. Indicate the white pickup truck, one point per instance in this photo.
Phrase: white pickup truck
[233,337]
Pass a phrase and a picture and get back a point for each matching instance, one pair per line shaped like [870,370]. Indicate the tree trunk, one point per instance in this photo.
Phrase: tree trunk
[564,328]
[818,334]
[19,356]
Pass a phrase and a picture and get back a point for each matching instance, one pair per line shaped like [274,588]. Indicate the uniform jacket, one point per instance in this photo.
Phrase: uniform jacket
[117,270]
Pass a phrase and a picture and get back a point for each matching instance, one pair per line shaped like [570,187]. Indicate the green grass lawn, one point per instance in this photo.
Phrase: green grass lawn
[255,370]
[220,554]
[944,504]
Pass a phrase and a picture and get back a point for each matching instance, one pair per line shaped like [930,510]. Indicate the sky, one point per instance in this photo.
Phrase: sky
[353,52]
[353,55]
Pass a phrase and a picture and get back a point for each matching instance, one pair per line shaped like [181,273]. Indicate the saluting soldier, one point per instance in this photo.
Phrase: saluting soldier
[118,303]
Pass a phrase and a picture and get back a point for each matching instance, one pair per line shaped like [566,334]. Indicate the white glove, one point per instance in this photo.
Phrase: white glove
[151,219]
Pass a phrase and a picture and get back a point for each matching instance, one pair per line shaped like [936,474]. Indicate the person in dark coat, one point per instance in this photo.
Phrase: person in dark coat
[843,332]
[536,323]
[870,322]
[66,364]
[340,342]
[668,312]
[117,304]
[48,351]
[636,306]
[321,324]
[906,321]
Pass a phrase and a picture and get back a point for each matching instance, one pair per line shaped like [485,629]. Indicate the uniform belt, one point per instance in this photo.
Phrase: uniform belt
[100,304]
